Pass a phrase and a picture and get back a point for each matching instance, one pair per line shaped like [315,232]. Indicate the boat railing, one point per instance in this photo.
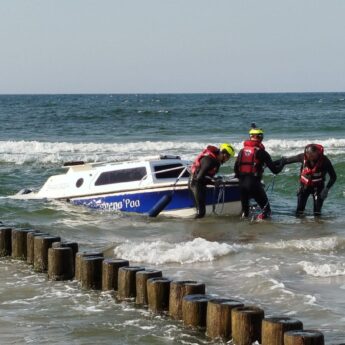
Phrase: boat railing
[182,167]
[72,164]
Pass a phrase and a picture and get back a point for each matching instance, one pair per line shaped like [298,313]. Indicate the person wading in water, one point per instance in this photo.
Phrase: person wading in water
[204,168]
[314,168]
[249,168]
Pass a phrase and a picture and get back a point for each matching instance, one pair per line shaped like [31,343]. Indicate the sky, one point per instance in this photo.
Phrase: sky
[171,46]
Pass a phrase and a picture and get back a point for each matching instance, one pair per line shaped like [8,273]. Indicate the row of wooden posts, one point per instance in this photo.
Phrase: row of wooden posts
[222,318]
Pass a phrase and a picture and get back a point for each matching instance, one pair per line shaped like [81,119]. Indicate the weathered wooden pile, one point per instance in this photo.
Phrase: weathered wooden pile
[221,318]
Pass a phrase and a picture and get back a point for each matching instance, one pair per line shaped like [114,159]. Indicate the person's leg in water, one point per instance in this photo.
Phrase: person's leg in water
[318,202]
[261,198]
[199,195]
[302,198]
[244,196]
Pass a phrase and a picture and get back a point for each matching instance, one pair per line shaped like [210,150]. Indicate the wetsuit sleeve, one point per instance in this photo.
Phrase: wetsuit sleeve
[206,164]
[293,159]
[265,157]
[236,166]
[328,168]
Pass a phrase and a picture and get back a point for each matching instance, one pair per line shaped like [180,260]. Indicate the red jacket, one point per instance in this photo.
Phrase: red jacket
[210,151]
[312,176]
[247,161]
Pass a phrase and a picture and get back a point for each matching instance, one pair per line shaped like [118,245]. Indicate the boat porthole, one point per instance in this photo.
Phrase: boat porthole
[79,182]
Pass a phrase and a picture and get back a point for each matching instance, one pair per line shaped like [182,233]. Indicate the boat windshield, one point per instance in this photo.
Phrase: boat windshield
[170,171]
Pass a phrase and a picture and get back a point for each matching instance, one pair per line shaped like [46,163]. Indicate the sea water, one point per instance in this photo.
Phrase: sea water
[288,266]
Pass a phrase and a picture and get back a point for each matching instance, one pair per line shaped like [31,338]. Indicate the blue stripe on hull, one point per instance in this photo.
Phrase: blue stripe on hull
[143,202]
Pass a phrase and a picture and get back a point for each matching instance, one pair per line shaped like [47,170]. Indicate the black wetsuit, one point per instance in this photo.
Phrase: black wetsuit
[198,182]
[251,186]
[305,191]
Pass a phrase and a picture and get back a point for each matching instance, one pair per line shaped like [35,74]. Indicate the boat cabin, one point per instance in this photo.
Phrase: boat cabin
[82,179]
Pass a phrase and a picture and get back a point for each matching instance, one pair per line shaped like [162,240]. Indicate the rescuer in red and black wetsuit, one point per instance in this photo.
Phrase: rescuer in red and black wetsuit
[204,168]
[315,167]
[249,168]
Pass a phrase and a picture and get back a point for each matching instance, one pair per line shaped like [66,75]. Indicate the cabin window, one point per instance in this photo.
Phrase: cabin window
[161,171]
[79,183]
[120,176]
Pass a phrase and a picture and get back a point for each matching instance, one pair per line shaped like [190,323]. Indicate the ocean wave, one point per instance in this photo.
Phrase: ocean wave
[323,270]
[320,244]
[21,152]
[160,252]
[289,147]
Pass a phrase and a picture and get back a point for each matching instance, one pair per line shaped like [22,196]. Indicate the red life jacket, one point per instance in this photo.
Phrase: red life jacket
[312,176]
[211,151]
[248,162]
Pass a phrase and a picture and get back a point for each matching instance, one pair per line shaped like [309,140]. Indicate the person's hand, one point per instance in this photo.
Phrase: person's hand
[279,164]
[324,193]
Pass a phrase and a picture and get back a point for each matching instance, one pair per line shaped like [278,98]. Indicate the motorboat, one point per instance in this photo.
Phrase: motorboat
[138,186]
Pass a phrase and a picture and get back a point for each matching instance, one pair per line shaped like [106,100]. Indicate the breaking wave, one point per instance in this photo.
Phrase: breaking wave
[290,147]
[160,252]
[21,152]
[323,270]
[321,244]
[201,250]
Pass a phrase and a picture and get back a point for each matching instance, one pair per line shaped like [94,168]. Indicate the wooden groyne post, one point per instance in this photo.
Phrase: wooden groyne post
[5,241]
[246,325]
[141,284]
[78,259]
[60,263]
[218,321]
[273,329]
[30,248]
[41,246]
[194,309]
[158,289]
[180,289]
[307,337]
[73,245]
[127,281]
[110,273]
[19,243]
[91,272]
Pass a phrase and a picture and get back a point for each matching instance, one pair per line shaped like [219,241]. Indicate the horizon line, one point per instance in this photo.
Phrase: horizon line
[163,93]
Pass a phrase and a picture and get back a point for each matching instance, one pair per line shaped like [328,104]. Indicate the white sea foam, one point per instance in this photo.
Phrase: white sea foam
[276,284]
[94,309]
[290,147]
[309,299]
[323,270]
[20,152]
[160,252]
[312,244]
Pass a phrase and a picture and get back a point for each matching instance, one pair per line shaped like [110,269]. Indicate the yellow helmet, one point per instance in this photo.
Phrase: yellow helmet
[228,148]
[256,131]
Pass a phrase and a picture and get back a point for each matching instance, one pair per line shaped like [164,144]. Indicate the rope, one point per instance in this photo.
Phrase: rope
[220,199]
[271,184]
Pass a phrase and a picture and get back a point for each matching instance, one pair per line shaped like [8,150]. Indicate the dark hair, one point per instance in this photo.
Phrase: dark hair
[311,148]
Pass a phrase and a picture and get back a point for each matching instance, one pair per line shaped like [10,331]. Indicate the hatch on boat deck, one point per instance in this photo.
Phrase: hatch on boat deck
[73,163]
